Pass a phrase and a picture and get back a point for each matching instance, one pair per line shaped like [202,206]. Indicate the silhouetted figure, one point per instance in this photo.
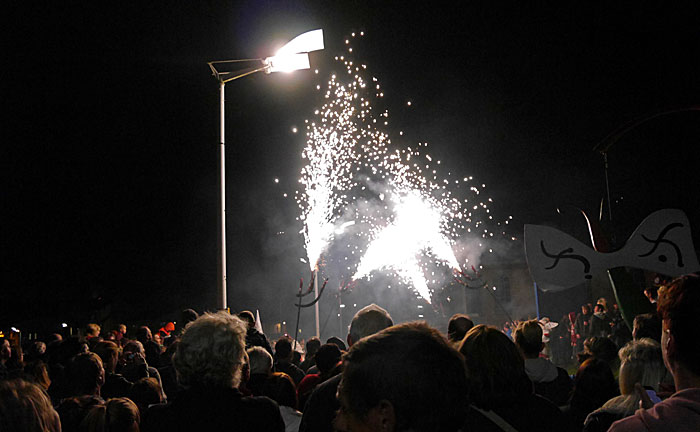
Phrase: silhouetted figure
[404,378]
[499,390]
[457,328]
[550,382]
[322,405]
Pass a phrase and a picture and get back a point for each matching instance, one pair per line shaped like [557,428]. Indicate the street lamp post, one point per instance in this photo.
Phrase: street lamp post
[292,56]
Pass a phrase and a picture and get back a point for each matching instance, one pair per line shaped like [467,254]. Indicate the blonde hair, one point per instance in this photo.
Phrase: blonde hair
[117,415]
[210,353]
[25,406]
[641,362]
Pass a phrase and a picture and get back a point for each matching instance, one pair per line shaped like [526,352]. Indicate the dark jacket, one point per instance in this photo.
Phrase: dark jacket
[254,338]
[321,407]
[214,409]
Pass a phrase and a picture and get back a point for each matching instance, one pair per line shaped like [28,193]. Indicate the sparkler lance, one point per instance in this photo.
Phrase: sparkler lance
[314,302]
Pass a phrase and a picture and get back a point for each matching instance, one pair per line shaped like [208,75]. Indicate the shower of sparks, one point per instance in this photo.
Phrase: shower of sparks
[402,214]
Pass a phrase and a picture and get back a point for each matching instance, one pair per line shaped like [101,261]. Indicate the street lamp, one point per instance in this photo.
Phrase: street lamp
[292,56]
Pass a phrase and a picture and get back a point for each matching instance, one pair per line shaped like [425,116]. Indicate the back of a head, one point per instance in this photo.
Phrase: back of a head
[327,357]
[593,386]
[259,360]
[187,316]
[283,348]
[146,392]
[602,348]
[413,367]
[641,362]
[280,388]
[86,374]
[143,334]
[248,318]
[335,340]
[108,352]
[210,352]
[24,407]
[312,345]
[495,368]
[368,321]
[679,309]
[528,337]
[117,415]
[458,326]
[647,326]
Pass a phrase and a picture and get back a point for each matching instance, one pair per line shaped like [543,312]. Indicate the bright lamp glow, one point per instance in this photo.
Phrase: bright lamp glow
[287,62]
[304,43]
[294,55]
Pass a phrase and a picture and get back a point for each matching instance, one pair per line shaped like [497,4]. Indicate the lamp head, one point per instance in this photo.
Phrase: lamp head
[294,54]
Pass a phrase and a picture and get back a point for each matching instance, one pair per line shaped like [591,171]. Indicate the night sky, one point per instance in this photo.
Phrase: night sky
[110,134]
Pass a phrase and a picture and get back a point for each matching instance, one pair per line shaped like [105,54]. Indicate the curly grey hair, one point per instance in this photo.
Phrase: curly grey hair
[210,353]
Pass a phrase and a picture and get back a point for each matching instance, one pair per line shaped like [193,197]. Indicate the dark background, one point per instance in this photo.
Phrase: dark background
[110,134]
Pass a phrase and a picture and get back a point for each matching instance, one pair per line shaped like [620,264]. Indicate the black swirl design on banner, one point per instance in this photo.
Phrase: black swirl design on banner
[566,254]
[661,240]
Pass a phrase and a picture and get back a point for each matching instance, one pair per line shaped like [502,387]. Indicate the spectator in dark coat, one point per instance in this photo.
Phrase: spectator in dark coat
[312,345]
[322,405]
[601,324]
[115,384]
[499,389]
[208,363]
[253,337]
[283,360]
[551,382]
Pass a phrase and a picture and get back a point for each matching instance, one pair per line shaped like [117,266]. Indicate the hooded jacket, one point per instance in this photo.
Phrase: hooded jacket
[679,413]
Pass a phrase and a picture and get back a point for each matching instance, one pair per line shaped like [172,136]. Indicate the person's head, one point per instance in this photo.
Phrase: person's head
[647,326]
[368,321]
[593,386]
[210,353]
[528,338]
[134,346]
[641,362]
[109,354]
[679,309]
[312,345]
[143,334]
[248,318]
[259,360]
[146,392]
[602,348]
[86,374]
[92,330]
[406,377]
[327,357]
[585,309]
[599,308]
[603,301]
[5,351]
[280,388]
[157,338]
[121,328]
[117,415]
[24,407]
[187,316]
[283,349]
[335,340]
[495,368]
[457,327]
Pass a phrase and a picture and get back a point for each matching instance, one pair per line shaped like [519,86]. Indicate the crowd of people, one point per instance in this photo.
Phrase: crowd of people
[217,372]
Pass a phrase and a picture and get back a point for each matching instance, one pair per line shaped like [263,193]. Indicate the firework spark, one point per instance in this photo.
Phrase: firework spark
[404,213]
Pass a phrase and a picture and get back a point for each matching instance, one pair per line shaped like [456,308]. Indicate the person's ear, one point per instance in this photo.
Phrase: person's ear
[349,340]
[382,417]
